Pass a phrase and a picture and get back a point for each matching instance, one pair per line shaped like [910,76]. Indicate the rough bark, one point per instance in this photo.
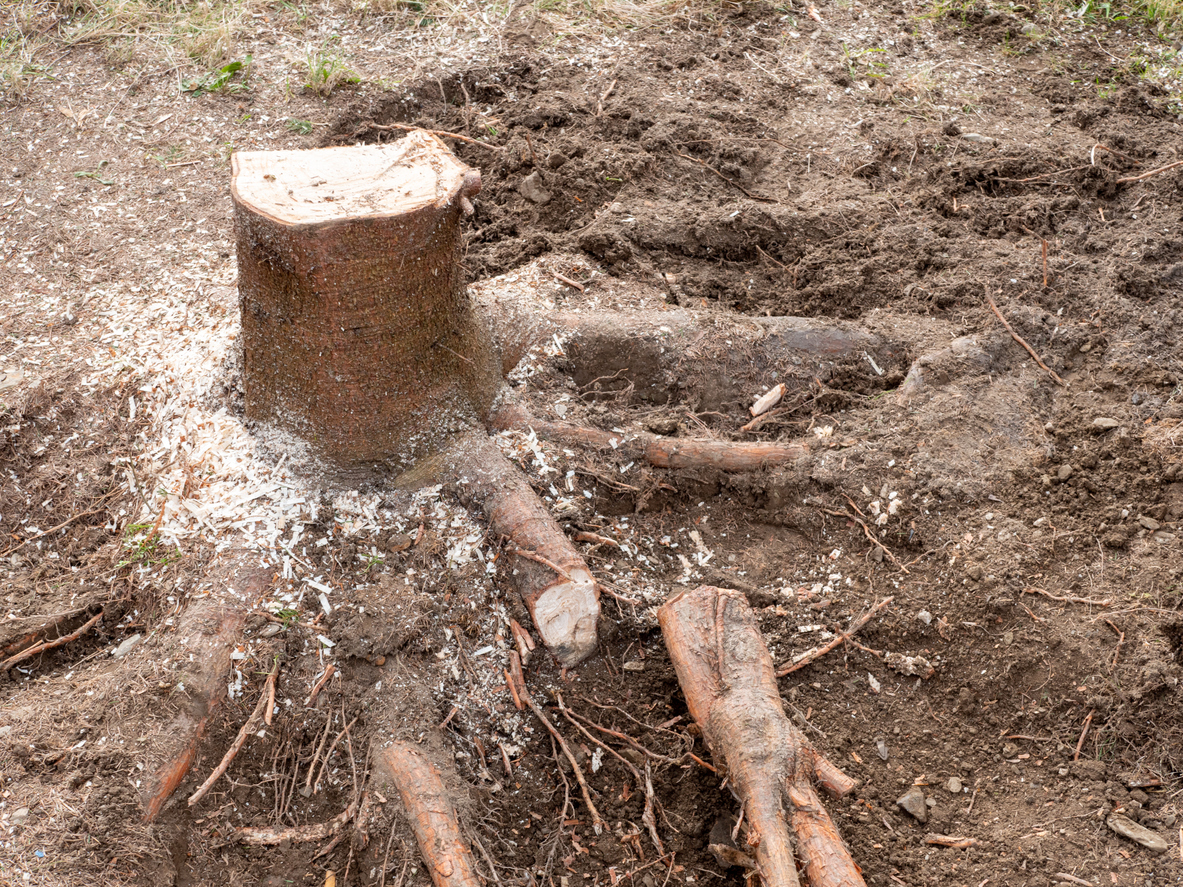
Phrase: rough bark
[432,813]
[727,677]
[207,633]
[357,332]
[548,572]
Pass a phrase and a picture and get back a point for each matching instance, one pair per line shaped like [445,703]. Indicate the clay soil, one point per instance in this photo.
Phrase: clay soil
[892,167]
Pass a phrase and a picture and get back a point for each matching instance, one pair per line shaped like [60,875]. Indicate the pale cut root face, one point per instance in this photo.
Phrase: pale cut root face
[566,615]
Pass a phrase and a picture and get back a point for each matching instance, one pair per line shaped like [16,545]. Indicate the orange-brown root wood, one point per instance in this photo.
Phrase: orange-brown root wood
[432,814]
[209,629]
[662,452]
[549,573]
[727,677]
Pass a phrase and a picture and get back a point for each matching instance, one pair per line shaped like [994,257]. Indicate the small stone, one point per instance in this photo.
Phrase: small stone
[974,572]
[1149,523]
[1105,423]
[270,630]
[532,189]
[925,617]
[1127,828]
[634,665]
[1009,750]
[19,816]
[978,138]
[881,747]
[127,646]
[1039,522]
[953,785]
[1064,472]
[913,803]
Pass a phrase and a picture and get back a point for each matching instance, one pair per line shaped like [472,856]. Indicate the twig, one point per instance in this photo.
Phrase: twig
[530,145]
[324,679]
[316,755]
[1083,733]
[1120,641]
[539,559]
[568,281]
[817,652]
[780,265]
[871,536]
[604,97]
[958,843]
[49,645]
[1069,599]
[646,784]
[64,523]
[584,536]
[406,127]
[1064,876]
[246,730]
[324,765]
[597,822]
[730,182]
[1152,172]
[269,835]
[1042,175]
[514,678]
[1023,342]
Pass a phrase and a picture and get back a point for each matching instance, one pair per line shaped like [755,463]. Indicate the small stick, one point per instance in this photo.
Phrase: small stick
[324,765]
[539,559]
[1064,876]
[1120,641]
[240,740]
[530,145]
[1023,342]
[780,265]
[733,184]
[320,684]
[1152,172]
[267,714]
[584,536]
[514,678]
[64,523]
[871,536]
[505,762]
[568,281]
[49,645]
[316,756]
[268,836]
[1083,733]
[950,841]
[1068,600]
[604,97]
[817,652]
[597,822]
[406,127]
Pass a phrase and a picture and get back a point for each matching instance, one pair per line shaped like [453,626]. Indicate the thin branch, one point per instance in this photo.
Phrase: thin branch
[1069,600]
[247,729]
[49,645]
[817,652]
[1152,172]
[1023,342]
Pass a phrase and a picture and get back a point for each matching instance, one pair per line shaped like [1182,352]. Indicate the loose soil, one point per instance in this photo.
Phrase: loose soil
[888,167]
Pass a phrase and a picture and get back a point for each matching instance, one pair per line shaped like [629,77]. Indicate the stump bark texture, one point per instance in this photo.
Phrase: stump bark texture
[357,332]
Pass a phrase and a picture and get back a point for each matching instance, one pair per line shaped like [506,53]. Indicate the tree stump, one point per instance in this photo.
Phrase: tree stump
[357,332]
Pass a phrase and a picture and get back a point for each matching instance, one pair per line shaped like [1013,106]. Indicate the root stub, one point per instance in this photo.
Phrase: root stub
[726,674]
[432,815]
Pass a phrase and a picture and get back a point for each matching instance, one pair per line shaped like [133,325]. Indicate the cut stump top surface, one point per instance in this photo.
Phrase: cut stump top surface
[311,187]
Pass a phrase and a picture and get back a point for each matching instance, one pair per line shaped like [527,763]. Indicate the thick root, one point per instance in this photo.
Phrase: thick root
[432,814]
[718,360]
[662,452]
[549,573]
[726,674]
[208,632]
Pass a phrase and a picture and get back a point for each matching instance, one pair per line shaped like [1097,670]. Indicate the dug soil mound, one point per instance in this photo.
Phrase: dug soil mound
[977,224]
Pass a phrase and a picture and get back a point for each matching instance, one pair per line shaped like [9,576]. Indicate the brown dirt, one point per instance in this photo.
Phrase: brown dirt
[759,163]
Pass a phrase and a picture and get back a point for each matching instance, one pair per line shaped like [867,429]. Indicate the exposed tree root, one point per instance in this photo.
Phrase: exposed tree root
[432,814]
[269,836]
[548,572]
[45,646]
[662,452]
[208,631]
[726,674]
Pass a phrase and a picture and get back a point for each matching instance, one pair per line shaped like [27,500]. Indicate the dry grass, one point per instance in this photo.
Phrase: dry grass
[1165,439]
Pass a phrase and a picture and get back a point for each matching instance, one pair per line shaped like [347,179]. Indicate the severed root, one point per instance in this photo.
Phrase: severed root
[432,814]
[815,653]
[726,674]
[662,452]
[209,629]
[550,574]
[46,645]
[269,836]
